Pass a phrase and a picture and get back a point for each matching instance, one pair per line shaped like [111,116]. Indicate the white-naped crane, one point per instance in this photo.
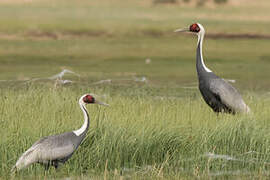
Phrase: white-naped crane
[217,93]
[52,150]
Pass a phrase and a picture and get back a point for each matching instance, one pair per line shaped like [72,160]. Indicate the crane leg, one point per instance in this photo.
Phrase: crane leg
[55,164]
[47,166]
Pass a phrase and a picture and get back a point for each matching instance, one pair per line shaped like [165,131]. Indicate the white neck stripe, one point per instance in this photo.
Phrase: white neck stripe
[84,126]
[200,40]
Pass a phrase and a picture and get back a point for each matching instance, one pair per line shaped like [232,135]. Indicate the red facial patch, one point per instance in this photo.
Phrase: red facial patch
[88,99]
[194,28]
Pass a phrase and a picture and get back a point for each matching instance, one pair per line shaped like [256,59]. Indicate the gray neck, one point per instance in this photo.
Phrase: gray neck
[201,68]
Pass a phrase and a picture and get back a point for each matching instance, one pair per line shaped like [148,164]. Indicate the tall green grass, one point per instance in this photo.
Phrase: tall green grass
[158,129]
[139,134]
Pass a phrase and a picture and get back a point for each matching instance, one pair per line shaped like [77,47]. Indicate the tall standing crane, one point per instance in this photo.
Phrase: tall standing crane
[217,93]
[52,150]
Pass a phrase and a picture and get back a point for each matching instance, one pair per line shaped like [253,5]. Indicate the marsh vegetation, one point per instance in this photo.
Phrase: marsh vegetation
[158,125]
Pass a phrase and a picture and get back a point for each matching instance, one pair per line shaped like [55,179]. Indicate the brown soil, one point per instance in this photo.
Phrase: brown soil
[237,36]
[70,34]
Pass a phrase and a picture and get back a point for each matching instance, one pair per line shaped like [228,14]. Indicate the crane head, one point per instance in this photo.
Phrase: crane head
[195,28]
[89,99]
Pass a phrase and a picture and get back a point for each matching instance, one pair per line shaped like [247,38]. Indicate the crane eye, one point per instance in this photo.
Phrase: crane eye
[89,99]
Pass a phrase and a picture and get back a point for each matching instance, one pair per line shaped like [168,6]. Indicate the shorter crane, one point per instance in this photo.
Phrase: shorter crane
[52,150]
[217,93]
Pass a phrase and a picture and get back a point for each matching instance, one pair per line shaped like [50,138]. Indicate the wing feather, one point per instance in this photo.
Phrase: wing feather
[227,94]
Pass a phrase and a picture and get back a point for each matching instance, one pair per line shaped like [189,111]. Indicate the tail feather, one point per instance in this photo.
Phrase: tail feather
[27,158]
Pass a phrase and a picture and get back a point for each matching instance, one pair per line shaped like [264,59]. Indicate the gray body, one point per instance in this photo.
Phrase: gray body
[52,150]
[217,93]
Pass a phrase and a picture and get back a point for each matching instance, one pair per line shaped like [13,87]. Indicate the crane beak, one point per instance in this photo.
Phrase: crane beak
[101,103]
[182,30]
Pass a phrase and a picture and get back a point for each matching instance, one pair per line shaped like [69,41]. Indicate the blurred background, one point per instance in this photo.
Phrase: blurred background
[127,39]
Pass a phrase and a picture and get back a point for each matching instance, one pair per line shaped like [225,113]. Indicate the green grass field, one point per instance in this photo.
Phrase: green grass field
[159,129]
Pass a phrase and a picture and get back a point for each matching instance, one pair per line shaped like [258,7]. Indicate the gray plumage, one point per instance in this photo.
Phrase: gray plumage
[220,95]
[217,93]
[52,150]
